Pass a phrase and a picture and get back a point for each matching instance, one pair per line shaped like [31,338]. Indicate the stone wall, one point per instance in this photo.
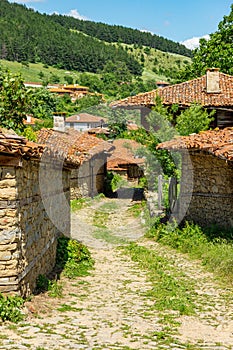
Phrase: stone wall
[88,180]
[206,190]
[28,235]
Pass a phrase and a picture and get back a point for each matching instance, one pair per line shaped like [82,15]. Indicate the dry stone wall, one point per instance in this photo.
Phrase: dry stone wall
[88,179]
[28,235]
[206,189]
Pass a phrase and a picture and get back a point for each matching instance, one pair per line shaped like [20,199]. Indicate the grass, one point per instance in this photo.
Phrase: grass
[67,308]
[170,291]
[105,235]
[137,208]
[80,203]
[213,246]
[157,63]
[100,219]
[32,72]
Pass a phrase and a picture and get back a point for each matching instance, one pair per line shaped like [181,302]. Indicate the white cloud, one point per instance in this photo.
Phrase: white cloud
[74,13]
[193,43]
[146,31]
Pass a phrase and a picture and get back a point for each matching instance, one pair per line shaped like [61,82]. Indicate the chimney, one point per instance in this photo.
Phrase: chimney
[59,123]
[29,118]
[212,80]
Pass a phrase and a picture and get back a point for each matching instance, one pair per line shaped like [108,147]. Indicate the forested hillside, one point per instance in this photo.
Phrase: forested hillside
[71,44]
[116,33]
[27,35]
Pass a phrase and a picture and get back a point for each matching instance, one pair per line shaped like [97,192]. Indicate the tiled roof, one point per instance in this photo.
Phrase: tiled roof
[74,143]
[76,87]
[60,90]
[184,94]
[216,142]
[12,144]
[124,154]
[31,121]
[84,118]
[97,131]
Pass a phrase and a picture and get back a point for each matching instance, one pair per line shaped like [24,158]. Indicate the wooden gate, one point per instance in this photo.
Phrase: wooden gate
[172,192]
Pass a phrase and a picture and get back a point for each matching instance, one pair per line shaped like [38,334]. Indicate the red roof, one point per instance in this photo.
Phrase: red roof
[84,118]
[185,94]
[216,142]
[124,154]
[31,120]
[73,143]
[12,144]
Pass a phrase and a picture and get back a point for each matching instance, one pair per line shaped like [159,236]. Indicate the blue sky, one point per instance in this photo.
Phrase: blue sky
[177,20]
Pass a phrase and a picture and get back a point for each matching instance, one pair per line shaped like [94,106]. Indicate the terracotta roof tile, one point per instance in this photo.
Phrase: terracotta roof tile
[85,118]
[73,143]
[12,144]
[184,94]
[216,142]
[31,121]
[124,154]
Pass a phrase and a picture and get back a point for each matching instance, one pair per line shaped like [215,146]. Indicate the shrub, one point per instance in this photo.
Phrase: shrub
[73,257]
[10,308]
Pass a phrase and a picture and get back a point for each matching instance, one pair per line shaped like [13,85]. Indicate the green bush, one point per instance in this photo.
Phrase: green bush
[44,284]
[10,308]
[73,257]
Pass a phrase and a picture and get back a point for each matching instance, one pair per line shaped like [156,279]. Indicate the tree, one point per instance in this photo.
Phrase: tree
[117,122]
[193,120]
[42,103]
[14,101]
[120,71]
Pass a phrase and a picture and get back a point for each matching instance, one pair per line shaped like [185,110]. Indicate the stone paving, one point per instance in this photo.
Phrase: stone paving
[108,308]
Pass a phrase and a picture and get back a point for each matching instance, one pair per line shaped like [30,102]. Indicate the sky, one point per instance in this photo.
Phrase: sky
[182,21]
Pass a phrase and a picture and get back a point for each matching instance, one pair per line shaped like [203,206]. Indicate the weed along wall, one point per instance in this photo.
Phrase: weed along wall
[212,194]
[34,210]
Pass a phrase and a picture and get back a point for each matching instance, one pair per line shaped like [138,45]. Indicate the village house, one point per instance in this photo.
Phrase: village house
[88,179]
[206,192]
[34,209]
[214,91]
[84,121]
[75,91]
[124,160]
[31,121]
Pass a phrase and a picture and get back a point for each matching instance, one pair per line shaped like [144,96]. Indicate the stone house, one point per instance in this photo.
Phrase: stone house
[206,192]
[124,161]
[88,179]
[214,91]
[34,209]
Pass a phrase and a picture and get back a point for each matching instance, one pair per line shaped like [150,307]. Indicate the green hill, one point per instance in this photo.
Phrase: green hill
[157,66]
[120,34]
[74,45]
[29,36]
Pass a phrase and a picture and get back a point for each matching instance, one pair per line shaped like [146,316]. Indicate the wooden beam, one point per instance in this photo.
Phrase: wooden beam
[6,160]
